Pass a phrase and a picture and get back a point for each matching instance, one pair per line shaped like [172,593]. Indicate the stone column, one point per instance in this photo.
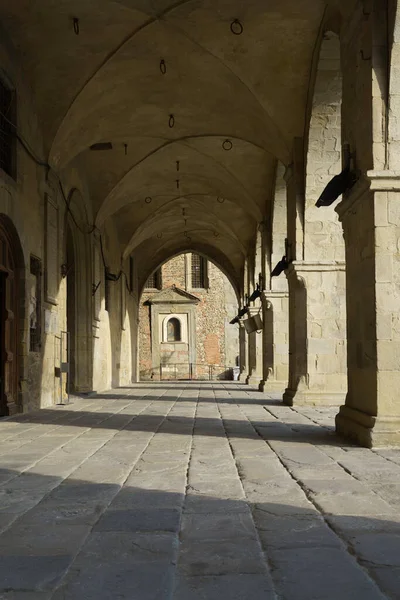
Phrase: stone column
[255,353]
[275,341]
[371,220]
[317,333]
[242,351]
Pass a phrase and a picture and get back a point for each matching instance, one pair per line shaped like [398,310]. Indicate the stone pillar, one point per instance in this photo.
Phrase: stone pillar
[255,353]
[242,350]
[317,334]
[275,341]
[371,220]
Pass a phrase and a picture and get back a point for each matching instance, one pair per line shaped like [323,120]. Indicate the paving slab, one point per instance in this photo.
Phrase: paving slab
[195,491]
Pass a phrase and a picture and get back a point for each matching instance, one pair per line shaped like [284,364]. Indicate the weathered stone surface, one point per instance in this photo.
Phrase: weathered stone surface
[328,573]
[234,587]
[137,520]
[223,511]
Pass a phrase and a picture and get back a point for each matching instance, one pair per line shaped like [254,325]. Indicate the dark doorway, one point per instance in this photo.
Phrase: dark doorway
[8,327]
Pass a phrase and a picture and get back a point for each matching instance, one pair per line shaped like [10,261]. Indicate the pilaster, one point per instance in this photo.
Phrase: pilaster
[242,350]
[371,221]
[317,333]
[275,338]
[255,349]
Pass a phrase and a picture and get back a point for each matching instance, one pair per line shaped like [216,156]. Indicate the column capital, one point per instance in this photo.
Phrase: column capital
[252,311]
[371,181]
[299,267]
[267,296]
[241,323]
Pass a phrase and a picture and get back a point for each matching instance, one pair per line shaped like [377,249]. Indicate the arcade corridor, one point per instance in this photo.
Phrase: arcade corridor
[193,491]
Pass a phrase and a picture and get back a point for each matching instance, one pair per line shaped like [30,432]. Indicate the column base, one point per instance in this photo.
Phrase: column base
[310,398]
[368,431]
[253,380]
[12,409]
[271,385]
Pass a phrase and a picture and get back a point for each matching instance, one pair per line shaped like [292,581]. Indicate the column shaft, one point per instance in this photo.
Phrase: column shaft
[275,341]
[317,333]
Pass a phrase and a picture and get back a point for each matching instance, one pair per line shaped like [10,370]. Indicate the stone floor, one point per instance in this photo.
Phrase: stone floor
[190,491]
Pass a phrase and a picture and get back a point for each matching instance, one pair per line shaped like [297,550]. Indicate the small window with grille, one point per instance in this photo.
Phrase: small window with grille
[35,305]
[154,281]
[7,125]
[199,271]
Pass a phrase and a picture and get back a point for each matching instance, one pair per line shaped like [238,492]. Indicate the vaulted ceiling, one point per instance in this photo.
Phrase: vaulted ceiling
[198,98]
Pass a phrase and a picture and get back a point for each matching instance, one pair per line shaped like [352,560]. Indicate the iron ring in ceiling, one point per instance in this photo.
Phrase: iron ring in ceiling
[236,27]
[227,145]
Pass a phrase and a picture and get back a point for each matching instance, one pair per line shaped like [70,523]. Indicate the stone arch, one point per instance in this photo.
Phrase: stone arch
[14,322]
[77,248]
[195,250]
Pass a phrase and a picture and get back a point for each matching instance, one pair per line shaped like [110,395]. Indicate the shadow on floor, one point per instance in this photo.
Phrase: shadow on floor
[97,541]
[181,425]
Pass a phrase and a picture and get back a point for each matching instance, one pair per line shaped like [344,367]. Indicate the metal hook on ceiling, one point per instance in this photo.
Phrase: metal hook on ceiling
[75,22]
[171,121]
[236,27]
[163,66]
[148,199]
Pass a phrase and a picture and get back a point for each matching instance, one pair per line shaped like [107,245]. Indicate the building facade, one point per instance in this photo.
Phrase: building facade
[184,315]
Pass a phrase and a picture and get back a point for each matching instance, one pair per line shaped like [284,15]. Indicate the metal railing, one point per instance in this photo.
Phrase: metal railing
[194,371]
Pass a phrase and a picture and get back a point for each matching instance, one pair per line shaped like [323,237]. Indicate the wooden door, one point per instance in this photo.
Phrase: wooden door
[8,328]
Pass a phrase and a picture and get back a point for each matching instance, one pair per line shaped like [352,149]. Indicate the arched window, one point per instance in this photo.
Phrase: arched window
[174,330]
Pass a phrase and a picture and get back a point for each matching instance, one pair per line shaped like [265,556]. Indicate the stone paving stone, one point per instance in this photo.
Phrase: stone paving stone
[219,557]
[215,526]
[378,548]
[369,505]
[140,520]
[299,531]
[320,573]
[32,572]
[25,595]
[122,565]
[388,578]
[19,501]
[232,587]
[123,495]
[206,505]
[341,485]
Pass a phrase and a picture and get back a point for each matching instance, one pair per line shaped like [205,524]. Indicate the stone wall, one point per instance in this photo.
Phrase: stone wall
[103,352]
